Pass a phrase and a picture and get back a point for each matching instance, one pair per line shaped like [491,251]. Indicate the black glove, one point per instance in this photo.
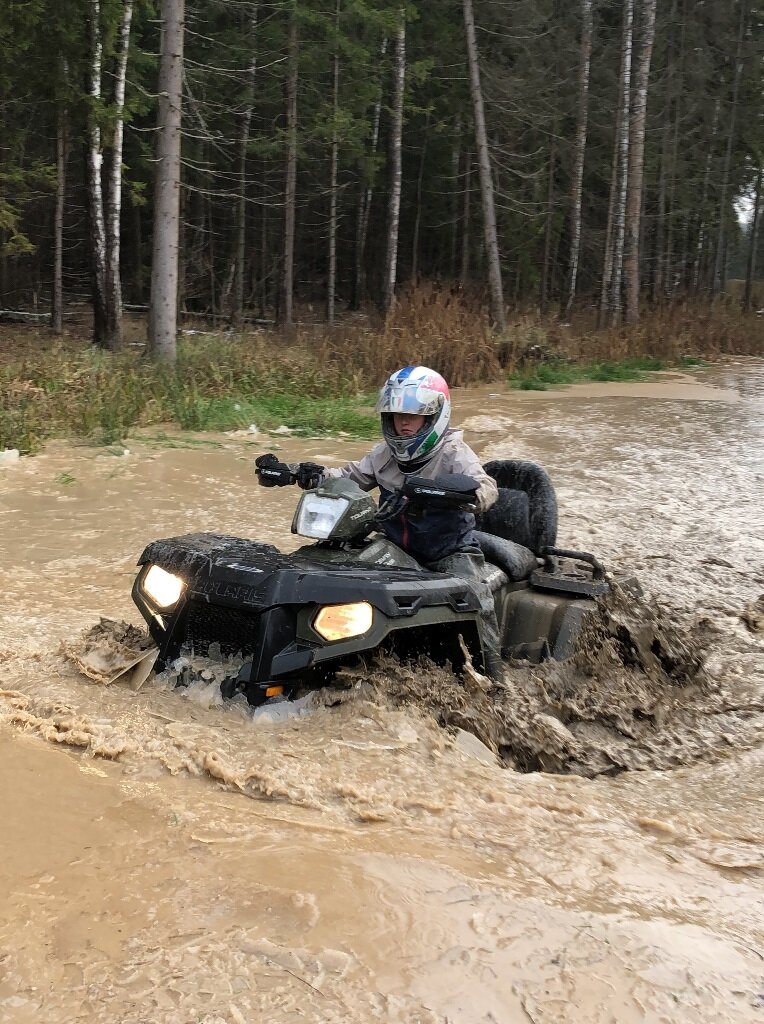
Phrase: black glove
[309,475]
[449,491]
[272,473]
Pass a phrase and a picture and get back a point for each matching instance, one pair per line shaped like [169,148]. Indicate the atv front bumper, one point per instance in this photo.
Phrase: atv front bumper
[256,603]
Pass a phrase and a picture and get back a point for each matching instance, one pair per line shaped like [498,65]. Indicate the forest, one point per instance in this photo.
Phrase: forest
[243,162]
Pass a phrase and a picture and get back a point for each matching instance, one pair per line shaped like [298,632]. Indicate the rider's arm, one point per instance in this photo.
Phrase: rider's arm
[466,461]
[363,471]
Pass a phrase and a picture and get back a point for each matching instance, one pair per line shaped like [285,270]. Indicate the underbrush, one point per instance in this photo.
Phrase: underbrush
[320,381]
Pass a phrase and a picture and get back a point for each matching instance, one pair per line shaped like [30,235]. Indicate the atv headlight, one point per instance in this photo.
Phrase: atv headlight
[162,587]
[317,516]
[342,621]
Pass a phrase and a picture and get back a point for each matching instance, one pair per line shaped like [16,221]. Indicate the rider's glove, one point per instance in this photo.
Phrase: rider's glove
[272,473]
[309,475]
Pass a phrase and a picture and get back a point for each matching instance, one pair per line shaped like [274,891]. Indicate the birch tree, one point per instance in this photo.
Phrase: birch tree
[578,164]
[396,165]
[95,184]
[113,215]
[623,164]
[163,316]
[636,161]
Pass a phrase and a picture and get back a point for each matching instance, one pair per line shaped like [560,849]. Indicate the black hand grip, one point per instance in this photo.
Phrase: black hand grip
[598,570]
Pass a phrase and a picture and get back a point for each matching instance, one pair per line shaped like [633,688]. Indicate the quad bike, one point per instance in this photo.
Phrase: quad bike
[295,618]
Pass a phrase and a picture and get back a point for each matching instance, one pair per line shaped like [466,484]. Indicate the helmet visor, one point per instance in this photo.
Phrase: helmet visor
[415,401]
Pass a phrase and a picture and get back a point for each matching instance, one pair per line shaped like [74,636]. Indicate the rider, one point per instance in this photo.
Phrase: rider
[415,407]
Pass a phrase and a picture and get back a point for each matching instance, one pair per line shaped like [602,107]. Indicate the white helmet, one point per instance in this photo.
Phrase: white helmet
[422,392]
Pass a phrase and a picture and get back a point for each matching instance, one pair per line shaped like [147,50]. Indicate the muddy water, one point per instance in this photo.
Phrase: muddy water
[165,859]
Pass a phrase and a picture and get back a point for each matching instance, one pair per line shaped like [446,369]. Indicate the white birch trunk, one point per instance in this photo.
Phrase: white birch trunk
[163,316]
[95,186]
[636,162]
[486,178]
[578,167]
[396,166]
[114,193]
[620,210]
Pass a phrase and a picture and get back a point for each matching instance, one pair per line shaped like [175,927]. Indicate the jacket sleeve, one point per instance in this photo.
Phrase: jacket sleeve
[466,461]
[361,472]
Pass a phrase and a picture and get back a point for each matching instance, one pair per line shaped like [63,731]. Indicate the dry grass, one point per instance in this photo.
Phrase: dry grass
[318,380]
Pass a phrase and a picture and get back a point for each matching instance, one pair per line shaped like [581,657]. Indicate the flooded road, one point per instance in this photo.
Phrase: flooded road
[165,859]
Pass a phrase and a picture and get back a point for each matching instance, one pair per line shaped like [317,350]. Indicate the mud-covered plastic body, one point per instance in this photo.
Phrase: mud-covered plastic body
[295,618]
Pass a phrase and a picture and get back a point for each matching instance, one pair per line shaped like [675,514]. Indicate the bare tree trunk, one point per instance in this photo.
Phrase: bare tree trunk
[396,165]
[455,164]
[331,284]
[365,197]
[750,271]
[637,162]
[658,278]
[578,166]
[486,179]
[715,280]
[545,270]
[237,313]
[701,241]
[464,273]
[95,187]
[114,193]
[669,273]
[57,303]
[620,211]
[290,191]
[163,316]
[418,216]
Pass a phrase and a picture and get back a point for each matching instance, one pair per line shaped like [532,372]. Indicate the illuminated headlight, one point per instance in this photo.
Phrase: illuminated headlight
[162,587]
[317,515]
[342,621]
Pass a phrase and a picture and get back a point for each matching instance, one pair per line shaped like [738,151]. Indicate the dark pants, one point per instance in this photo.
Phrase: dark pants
[470,567]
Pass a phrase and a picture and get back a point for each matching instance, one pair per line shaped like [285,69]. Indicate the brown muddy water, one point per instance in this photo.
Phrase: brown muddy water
[167,859]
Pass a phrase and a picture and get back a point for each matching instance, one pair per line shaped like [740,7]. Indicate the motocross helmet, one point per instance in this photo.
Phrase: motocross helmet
[421,392]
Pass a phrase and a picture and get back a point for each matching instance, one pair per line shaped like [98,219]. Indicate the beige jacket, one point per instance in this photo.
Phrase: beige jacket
[379,469]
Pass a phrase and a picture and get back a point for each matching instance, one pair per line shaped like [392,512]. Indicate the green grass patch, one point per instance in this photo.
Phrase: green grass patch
[543,376]
[217,385]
